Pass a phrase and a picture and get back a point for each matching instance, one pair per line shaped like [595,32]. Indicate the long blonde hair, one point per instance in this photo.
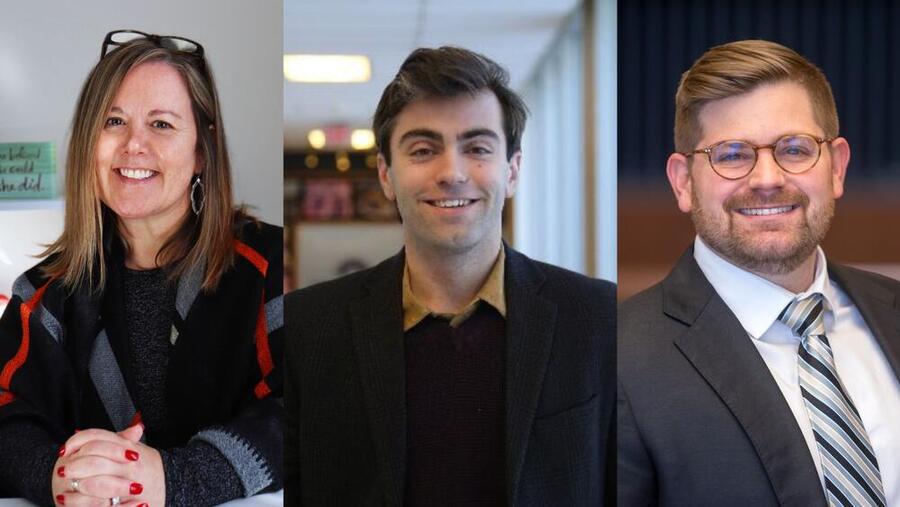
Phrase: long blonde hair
[77,257]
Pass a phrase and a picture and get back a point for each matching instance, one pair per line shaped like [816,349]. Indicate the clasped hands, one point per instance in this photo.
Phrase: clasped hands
[99,468]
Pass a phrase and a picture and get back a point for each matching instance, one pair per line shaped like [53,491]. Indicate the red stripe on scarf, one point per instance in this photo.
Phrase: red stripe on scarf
[263,354]
[22,354]
[252,255]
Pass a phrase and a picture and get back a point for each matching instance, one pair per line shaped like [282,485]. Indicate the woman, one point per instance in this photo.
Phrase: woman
[154,321]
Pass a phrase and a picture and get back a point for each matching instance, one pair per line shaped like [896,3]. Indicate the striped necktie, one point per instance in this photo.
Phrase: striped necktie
[848,463]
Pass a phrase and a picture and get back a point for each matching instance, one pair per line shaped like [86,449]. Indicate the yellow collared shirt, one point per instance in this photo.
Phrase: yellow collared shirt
[491,293]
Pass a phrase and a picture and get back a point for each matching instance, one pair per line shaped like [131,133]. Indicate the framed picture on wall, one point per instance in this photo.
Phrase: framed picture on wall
[323,251]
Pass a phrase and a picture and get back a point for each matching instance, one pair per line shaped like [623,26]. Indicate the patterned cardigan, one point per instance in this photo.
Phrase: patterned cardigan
[65,364]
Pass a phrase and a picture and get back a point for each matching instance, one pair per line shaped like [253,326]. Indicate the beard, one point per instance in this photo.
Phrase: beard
[752,249]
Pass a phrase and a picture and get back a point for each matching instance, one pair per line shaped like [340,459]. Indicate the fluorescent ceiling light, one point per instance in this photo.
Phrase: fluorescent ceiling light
[327,68]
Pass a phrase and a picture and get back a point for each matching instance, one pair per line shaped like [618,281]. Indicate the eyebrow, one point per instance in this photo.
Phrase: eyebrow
[436,136]
[426,133]
[154,112]
[469,134]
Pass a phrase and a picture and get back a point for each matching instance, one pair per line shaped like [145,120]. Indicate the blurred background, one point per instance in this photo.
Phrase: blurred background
[852,41]
[47,49]
[561,57]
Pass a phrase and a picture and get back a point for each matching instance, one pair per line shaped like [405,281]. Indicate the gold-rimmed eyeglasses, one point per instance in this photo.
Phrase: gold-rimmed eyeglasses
[734,159]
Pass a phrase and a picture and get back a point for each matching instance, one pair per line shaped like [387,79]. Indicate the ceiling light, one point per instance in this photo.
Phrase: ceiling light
[362,139]
[327,68]
[316,138]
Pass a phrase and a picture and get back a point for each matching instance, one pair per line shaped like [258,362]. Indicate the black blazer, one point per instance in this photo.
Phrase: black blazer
[701,421]
[345,438]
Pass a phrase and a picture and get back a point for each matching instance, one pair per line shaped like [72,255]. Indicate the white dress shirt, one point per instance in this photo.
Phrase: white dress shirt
[861,364]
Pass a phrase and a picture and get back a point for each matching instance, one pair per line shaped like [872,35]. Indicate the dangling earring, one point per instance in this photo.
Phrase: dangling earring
[197,203]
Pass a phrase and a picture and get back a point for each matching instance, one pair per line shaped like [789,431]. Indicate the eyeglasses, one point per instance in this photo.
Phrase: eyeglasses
[734,159]
[170,42]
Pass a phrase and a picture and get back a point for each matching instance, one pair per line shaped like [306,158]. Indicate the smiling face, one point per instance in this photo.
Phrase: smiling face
[147,151]
[449,174]
[770,221]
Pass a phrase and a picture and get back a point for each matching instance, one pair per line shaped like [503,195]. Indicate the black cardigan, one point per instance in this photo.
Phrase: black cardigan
[66,364]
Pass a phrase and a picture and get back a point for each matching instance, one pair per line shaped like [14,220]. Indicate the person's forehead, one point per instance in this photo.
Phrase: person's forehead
[154,78]
[760,115]
[451,115]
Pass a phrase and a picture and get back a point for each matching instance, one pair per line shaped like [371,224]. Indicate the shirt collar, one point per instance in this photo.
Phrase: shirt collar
[755,301]
[491,292]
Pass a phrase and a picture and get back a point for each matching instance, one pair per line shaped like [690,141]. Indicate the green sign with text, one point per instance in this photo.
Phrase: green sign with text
[27,171]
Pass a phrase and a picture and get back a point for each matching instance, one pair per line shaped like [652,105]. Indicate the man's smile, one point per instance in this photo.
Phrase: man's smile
[767,211]
[450,203]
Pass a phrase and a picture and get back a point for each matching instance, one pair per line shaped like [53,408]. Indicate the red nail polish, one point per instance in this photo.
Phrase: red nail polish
[136,488]
[61,471]
[60,499]
[143,505]
[62,450]
[131,455]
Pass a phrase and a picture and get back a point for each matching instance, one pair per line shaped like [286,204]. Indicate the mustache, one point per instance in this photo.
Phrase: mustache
[754,199]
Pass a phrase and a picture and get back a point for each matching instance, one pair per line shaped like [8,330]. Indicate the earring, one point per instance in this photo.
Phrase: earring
[196,206]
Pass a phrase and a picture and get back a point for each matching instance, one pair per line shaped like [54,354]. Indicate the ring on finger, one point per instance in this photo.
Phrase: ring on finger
[115,500]
[73,485]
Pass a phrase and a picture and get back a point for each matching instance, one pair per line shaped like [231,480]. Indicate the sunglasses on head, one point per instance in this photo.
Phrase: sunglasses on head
[171,42]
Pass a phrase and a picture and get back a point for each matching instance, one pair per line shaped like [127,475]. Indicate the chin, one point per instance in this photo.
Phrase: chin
[129,213]
[776,256]
[456,243]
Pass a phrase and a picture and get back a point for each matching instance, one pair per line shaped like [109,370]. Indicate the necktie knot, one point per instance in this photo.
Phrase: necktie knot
[805,316]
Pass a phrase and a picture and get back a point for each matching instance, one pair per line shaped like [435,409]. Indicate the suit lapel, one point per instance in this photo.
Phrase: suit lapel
[377,321]
[531,321]
[721,352]
[878,308]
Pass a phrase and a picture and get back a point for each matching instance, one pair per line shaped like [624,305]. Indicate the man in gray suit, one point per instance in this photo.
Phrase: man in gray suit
[757,373]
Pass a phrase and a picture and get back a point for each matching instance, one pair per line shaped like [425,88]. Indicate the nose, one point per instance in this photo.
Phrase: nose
[767,173]
[135,142]
[451,169]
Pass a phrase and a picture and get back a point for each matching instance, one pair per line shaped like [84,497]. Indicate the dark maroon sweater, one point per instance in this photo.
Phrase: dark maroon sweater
[454,411]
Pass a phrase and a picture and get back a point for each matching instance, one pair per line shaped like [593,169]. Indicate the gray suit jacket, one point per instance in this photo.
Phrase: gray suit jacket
[345,428]
[701,421]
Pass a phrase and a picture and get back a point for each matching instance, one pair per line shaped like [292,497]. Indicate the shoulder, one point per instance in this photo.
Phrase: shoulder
[569,284]
[332,294]
[860,281]
[260,243]
[258,235]
[641,305]
[26,284]
[644,326]
[579,300]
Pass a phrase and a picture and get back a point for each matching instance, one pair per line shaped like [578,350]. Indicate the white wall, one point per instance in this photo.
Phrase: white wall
[549,222]
[606,146]
[47,47]
[550,212]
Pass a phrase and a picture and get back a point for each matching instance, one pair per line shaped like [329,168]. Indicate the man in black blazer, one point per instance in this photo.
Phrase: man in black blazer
[726,392]
[459,372]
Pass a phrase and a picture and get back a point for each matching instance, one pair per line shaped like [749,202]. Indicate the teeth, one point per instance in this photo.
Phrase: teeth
[136,174]
[451,203]
[765,211]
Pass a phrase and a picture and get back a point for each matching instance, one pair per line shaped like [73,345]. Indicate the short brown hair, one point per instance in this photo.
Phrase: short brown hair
[739,67]
[207,238]
[448,72]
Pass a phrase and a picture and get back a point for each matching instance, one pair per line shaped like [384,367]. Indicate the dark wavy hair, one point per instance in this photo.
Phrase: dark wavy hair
[448,72]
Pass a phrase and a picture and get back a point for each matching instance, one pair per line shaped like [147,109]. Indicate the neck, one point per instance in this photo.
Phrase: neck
[797,280]
[446,281]
[145,239]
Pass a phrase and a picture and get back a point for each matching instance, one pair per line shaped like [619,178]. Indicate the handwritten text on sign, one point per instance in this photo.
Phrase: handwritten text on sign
[27,171]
